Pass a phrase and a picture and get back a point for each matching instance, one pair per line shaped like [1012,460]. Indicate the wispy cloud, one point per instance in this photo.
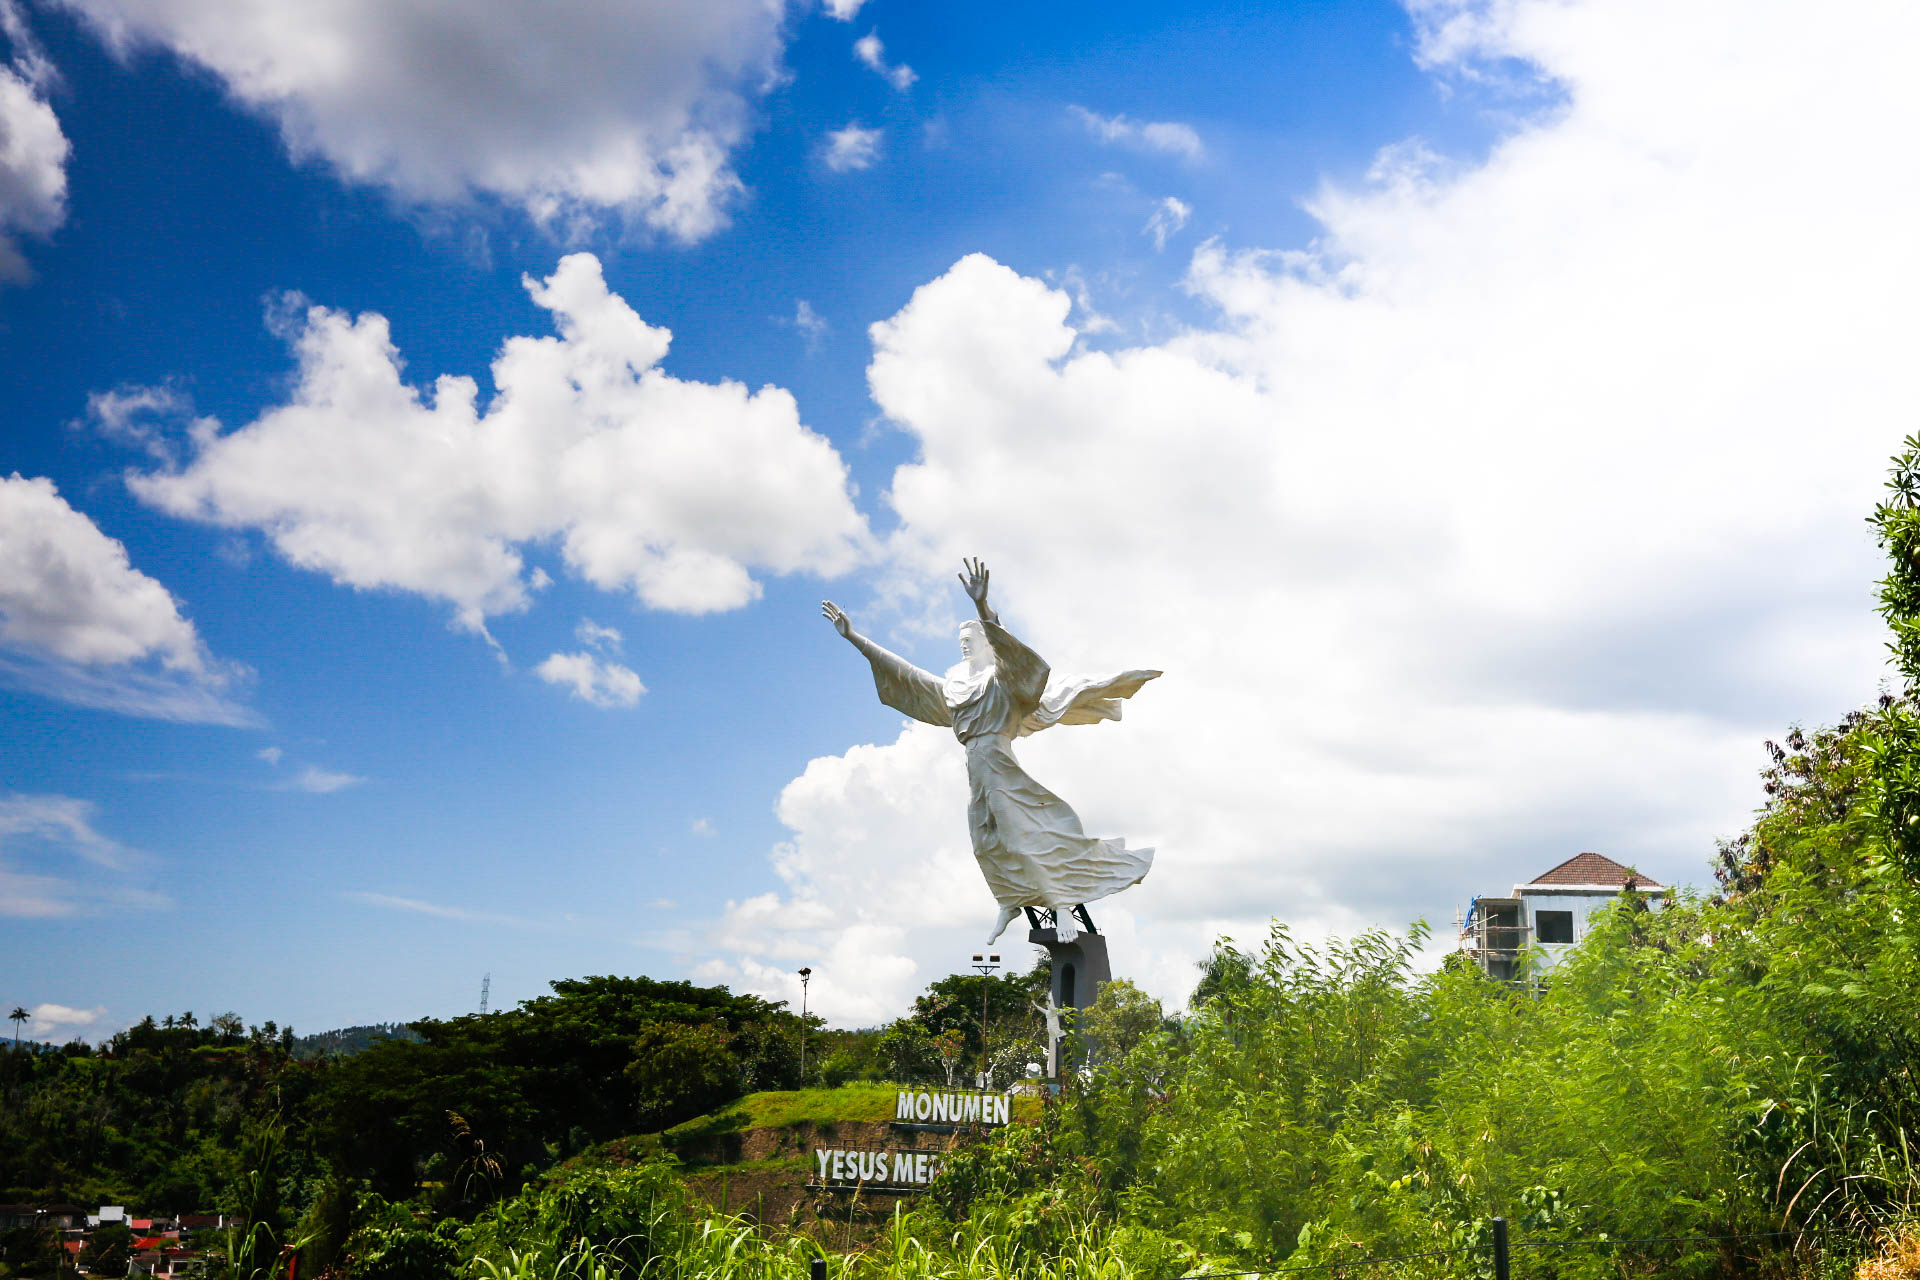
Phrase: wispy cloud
[1165,136]
[140,416]
[39,834]
[810,323]
[593,635]
[439,910]
[64,820]
[127,691]
[1169,216]
[320,782]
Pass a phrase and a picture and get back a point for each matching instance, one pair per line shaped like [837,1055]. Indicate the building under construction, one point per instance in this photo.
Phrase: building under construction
[1549,913]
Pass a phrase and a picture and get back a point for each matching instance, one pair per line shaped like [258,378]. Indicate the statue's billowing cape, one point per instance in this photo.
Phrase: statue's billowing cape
[1084,700]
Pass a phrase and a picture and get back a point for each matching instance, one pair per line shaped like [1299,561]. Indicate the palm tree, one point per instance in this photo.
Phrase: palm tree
[19,1015]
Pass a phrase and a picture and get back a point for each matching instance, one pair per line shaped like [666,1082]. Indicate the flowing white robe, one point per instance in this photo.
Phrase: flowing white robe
[1028,842]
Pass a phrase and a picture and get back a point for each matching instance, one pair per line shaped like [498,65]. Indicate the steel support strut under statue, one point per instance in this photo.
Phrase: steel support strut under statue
[1028,842]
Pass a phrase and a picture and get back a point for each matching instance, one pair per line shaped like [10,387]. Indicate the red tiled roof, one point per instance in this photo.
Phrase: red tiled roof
[1594,868]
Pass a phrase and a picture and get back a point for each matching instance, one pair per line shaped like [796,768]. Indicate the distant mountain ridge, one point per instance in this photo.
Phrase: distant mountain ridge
[348,1041]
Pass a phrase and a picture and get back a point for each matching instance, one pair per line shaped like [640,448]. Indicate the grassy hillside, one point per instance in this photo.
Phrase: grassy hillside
[818,1109]
[784,1108]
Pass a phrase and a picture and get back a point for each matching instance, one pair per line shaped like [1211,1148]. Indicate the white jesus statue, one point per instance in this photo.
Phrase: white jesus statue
[1028,842]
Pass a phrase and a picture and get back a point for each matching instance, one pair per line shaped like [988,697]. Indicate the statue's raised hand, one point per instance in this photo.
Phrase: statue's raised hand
[975,582]
[841,622]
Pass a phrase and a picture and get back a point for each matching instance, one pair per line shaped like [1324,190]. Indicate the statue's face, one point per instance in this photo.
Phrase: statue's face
[974,648]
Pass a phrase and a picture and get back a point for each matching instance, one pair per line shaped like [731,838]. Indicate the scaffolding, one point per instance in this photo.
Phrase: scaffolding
[1492,933]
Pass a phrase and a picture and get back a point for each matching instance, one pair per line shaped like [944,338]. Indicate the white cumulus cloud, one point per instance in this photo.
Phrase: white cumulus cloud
[1501,522]
[80,623]
[49,1019]
[873,55]
[676,491]
[566,108]
[851,149]
[593,680]
[33,147]
[1169,137]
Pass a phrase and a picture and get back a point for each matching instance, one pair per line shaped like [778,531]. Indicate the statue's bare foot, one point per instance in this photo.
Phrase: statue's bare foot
[1000,926]
[1065,927]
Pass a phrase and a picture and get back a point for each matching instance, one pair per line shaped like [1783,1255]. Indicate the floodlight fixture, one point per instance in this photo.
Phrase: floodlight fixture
[986,964]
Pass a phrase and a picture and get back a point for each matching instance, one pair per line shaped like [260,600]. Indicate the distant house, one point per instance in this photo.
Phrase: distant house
[1549,913]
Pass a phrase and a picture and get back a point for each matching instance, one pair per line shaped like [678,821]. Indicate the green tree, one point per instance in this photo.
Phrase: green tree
[1894,786]
[680,1071]
[30,1253]
[1117,1022]
[107,1249]
[907,1051]
[949,1045]
[19,1015]
[769,1055]
[540,1081]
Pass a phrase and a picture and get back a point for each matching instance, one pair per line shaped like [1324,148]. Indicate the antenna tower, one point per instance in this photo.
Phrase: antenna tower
[486,985]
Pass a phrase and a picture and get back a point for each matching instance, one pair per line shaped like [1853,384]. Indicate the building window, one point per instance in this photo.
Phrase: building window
[1553,926]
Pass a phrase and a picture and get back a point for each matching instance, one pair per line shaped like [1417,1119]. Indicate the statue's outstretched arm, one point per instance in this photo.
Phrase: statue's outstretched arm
[844,625]
[900,684]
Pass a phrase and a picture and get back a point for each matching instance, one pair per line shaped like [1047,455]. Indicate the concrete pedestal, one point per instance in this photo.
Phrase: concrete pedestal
[1078,969]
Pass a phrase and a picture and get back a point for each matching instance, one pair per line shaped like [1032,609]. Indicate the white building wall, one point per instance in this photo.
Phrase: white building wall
[1582,902]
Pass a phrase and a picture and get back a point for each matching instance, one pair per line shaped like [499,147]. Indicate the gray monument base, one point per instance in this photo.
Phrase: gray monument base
[1078,969]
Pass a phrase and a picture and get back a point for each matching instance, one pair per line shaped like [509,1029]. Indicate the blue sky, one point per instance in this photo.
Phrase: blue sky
[1406,383]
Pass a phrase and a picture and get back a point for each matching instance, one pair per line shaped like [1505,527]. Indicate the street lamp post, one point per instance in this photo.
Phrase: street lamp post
[806,976]
[986,965]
